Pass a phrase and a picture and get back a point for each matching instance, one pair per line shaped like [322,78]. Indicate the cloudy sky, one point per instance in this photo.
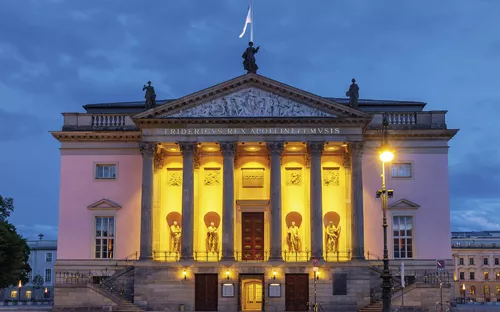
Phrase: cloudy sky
[56,56]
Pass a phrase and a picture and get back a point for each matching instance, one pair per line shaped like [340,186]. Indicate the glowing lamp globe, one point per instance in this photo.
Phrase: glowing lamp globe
[386,156]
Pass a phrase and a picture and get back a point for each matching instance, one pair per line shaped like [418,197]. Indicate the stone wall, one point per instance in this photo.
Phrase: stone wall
[424,296]
[70,296]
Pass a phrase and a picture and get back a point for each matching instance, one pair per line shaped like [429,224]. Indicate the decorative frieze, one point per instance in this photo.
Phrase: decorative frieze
[331,176]
[293,176]
[211,176]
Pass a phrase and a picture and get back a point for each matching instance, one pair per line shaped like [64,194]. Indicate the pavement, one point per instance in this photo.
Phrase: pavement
[474,308]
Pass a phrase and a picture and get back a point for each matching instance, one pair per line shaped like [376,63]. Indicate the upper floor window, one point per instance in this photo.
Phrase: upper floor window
[105,171]
[471,276]
[462,275]
[402,229]
[104,237]
[471,261]
[401,170]
[461,261]
[485,261]
[48,257]
[486,276]
[497,262]
[48,275]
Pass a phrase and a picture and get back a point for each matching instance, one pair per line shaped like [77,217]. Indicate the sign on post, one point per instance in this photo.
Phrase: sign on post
[440,265]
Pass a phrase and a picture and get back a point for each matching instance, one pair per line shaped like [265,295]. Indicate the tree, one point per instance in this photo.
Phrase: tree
[14,250]
[38,282]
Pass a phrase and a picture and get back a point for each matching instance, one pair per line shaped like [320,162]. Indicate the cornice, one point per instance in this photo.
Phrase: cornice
[64,136]
[289,121]
[426,134]
[257,81]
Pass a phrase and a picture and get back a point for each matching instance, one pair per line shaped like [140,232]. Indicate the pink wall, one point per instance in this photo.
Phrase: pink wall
[428,188]
[79,190]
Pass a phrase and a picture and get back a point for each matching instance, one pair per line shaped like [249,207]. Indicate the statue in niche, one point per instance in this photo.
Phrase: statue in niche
[249,55]
[293,238]
[353,94]
[212,238]
[150,95]
[175,234]
[332,234]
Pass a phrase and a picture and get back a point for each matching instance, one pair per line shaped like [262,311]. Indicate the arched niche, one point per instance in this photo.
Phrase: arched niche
[293,217]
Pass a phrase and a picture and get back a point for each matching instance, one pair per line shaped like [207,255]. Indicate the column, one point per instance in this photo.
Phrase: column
[147,150]
[188,149]
[316,149]
[357,223]
[159,155]
[228,150]
[275,149]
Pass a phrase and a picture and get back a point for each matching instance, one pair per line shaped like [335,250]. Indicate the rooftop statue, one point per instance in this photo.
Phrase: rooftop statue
[150,95]
[353,94]
[249,56]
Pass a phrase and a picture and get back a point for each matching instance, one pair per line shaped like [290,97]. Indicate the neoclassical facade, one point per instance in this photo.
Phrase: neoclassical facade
[249,194]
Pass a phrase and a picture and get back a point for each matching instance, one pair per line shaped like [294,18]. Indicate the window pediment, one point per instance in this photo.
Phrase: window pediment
[104,204]
[404,204]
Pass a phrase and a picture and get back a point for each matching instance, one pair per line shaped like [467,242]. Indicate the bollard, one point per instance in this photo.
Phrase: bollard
[181,307]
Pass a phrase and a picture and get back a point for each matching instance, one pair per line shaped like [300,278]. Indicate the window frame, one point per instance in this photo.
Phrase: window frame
[471,261]
[103,214]
[413,245]
[105,163]
[472,276]
[45,276]
[485,261]
[461,276]
[51,257]
[399,162]
[461,261]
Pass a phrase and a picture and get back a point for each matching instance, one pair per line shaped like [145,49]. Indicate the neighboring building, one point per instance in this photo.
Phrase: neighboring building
[228,194]
[476,256]
[42,259]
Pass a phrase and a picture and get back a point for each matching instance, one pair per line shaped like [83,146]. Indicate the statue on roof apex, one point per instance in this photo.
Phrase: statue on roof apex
[150,95]
[353,94]
[249,56]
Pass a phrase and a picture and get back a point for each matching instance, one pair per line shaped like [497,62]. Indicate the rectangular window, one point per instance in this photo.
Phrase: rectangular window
[401,170]
[461,261]
[497,261]
[105,171]
[48,257]
[471,261]
[485,261]
[402,234]
[486,276]
[471,276]
[28,294]
[48,275]
[462,276]
[13,294]
[498,289]
[497,276]
[104,237]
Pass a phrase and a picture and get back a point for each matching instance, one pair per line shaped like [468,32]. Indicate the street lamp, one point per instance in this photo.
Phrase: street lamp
[386,155]
[19,291]
[463,290]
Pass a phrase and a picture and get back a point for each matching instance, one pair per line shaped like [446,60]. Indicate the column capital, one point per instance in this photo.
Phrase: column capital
[275,147]
[187,147]
[228,148]
[315,147]
[158,159]
[357,148]
[147,148]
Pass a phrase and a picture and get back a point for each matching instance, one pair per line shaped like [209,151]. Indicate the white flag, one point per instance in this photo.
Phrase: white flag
[403,274]
[247,21]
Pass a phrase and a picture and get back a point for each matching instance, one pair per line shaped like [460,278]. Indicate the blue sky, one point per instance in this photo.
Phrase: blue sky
[57,55]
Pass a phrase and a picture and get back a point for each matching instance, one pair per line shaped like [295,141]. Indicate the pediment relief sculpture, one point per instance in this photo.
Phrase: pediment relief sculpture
[251,102]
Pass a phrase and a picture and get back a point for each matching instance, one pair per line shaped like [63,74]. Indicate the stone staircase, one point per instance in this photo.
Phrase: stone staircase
[373,307]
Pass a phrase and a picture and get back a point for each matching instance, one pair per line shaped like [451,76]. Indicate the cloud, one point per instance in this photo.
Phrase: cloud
[16,126]
[31,232]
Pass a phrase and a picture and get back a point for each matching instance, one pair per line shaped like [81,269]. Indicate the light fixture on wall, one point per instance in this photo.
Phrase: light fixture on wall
[227,274]
[317,275]
[274,274]
[185,274]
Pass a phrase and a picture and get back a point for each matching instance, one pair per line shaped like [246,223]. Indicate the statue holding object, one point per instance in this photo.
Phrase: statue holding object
[212,238]
[293,238]
[175,236]
[353,94]
[332,234]
[150,95]
[249,55]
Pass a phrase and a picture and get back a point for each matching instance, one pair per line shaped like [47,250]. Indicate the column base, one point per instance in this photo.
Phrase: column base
[276,259]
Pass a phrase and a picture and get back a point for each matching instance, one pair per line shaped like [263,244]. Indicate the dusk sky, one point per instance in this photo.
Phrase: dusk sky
[56,56]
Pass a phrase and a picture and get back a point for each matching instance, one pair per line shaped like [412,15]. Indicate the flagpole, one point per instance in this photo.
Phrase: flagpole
[251,24]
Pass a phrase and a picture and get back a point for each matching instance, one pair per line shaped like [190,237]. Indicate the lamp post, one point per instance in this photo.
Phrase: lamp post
[386,155]
[463,290]
[19,292]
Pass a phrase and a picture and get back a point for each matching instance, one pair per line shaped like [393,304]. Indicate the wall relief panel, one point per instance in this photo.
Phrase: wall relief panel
[294,176]
[211,176]
[174,177]
[331,176]
[252,177]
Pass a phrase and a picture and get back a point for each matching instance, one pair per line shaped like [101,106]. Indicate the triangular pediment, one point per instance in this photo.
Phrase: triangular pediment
[404,204]
[251,95]
[104,204]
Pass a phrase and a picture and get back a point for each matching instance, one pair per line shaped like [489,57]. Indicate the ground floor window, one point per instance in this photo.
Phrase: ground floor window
[28,294]
[13,294]
[104,237]
[402,234]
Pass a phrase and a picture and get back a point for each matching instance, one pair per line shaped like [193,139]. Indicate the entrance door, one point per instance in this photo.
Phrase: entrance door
[296,292]
[252,295]
[206,292]
[252,235]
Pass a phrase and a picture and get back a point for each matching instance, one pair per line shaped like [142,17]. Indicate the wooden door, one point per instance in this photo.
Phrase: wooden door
[206,292]
[296,292]
[252,235]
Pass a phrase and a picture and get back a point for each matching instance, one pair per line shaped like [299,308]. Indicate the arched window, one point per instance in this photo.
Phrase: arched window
[486,290]
[473,290]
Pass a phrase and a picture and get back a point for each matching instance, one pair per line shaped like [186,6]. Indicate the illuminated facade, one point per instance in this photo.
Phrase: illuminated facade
[244,184]
[476,258]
